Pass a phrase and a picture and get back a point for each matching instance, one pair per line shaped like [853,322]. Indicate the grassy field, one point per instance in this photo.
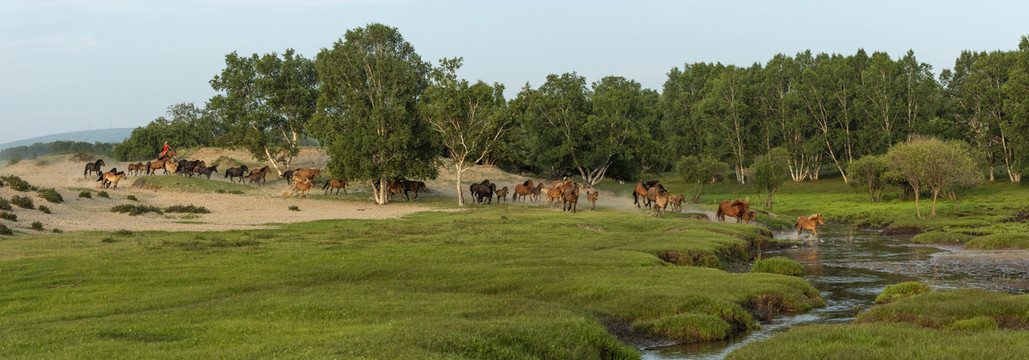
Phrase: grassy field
[501,282]
[999,209]
[965,324]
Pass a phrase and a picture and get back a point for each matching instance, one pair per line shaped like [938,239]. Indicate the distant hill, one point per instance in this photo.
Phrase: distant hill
[89,136]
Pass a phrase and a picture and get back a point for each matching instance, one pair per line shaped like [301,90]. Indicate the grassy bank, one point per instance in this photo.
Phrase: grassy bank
[966,324]
[512,282]
[992,209]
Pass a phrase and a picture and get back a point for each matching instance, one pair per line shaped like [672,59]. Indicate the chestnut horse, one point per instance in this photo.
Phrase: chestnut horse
[570,198]
[808,222]
[335,184]
[735,209]
[501,194]
[302,187]
[536,191]
[591,199]
[523,190]
[259,175]
[641,192]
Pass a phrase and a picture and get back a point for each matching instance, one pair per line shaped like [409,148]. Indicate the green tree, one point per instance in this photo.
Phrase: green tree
[470,119]
[266,102]
[769,171]
[930,164]
[700,171]
[783,106]
[869,172]
[881,101]
[682,119]
[617,129]
[371,81]
[729,115]
[1016,106]
[186,126]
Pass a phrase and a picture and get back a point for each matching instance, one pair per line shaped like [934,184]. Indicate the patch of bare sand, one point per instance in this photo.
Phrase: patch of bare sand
[228,211]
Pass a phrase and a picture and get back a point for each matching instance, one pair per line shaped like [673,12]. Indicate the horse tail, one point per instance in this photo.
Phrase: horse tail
[719,213]
[796,223]
[326,185]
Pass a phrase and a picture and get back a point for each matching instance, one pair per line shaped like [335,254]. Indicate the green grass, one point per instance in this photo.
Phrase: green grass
[894,292]
[133,209]
[941,237]
[51,195]
[778,265]
[964,324]
[192,184]
[188,209]
[512,282]
[1000,241]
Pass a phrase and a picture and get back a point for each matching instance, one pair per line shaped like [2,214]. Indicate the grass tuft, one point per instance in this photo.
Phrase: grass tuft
[36,225]
[86,194]
[5,204]
[1000,241]
[45,209]
[189,209]
[17,183]
[941,237]
[104,194]
[51,195]
[902,290]
[778,265]
[8,216]
[4,230]
[134,210]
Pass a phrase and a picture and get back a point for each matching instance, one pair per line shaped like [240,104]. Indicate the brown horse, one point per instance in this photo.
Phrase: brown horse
[302,187]
[676,202]
[570,197]
[553,193]
[735,209]
[536,192]
[236,172]
[641,192]
[134,168]
[523,190]
[93,167]
[591,199]
[412,185]
[110,179]
[502,194]
[658,199]
[259,175]
[808,222]
[152,168]
[306,174]
[335,184]
[748,216]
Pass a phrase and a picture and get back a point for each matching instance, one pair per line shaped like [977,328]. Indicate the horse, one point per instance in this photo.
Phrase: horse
[483,191]
[536,192]
[259,175]
[152,168]
[93,167]
[236,172]
[171,166]
[410,185]
[134,168]
[207,171]
[658,199]
[502,194]
[748,216]
[288,175]
[676,202]
[735,209]
[523,190]
[641,192]
[302,187]
[335,184]
[110,179]
[306,174]
[570,197]
[591,199]
[808,222]
[553,193]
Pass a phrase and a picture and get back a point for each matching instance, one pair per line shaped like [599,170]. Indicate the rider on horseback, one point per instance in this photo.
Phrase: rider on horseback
[165,151]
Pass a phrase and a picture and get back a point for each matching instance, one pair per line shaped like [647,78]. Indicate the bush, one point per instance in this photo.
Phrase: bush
[191,209]
[902,290]
[978,323]
[4,204]
[17,183]
[4,230]
[51,195]
[36,225]
[134,210]
[104,194]
[56,231]
[778,265]
[44,209]
[941,237]
[22,202]
[8,216]
[294,208]
[86,194]
[132,197]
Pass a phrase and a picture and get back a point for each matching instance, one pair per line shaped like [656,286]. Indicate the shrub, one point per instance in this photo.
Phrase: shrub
[902,290]
[978,323]
[4,230]
[4,204]
[56,231]
[104,194]
[1000,241]
[8,216]
[51,195]
[778,265]
[132,197]
[23,202]
[941,237]
[17,183]
[86,194]
[134,210]
[294,208]
[190,209]
[36,225]
[44,209]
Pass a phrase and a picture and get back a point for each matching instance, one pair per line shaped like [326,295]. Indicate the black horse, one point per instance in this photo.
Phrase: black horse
[237,172]
[207,171]
[483,191]
[93,167]
[288,175]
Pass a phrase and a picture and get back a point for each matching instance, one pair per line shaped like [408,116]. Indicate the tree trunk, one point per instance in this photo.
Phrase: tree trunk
[460,194]
[268,154]
[382,192]
[917,210]
[935,195]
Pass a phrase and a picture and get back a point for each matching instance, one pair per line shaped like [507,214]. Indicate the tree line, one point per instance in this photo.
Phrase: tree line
[383,113]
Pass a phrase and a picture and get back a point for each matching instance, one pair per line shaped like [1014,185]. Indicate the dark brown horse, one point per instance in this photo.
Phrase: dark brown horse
[335,184]
[570,197]
[736,209]
[93,167]
[203,170]
[502,194]
[641,192]
[483,191]
[259,175]
[536,192]
[236,172]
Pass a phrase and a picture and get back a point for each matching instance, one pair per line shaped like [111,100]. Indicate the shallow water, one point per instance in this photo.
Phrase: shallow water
[852,266]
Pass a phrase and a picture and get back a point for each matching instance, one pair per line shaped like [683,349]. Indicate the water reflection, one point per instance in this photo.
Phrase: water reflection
[852,266]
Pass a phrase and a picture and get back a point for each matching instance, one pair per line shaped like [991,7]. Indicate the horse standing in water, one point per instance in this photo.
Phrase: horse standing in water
[808,222]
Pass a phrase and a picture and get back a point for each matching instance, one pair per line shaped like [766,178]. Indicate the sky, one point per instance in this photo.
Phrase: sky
[72,65]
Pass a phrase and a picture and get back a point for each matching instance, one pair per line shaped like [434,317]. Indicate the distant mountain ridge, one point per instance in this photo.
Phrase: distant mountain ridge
[89,136]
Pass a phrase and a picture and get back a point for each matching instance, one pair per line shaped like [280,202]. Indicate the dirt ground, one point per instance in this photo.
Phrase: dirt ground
[257,209]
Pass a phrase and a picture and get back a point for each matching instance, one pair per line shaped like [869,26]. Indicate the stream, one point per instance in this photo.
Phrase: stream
[852,266]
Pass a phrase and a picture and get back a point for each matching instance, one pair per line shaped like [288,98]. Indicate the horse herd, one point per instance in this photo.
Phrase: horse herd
[564,191]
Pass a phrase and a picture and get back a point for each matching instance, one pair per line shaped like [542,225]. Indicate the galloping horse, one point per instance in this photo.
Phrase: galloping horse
[412,185]
[641,191]
[523,190]
[676,202]
[152,168]
[335,184]
[735,209]
[93,167]
[111,178]
[301,174]
[591,198]
[501,194]
[236,172]
[570,196]
[483,191]
[808,222]
[302,187]
[134,168]
[536,192]
[206,171]
[658,198]
[259,175]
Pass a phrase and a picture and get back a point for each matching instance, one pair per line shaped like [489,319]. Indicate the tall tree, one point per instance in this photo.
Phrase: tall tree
[782,105]
[682,119]
[1016,105]
[371,81]
[470,119]
[618,129]
[769,171]
[267,102]
[881,102]
[728,114]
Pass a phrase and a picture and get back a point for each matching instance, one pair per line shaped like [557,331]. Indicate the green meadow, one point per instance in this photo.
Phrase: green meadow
[490,282]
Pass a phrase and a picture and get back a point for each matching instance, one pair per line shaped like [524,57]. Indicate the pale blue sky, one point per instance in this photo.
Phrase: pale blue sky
[68,65]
